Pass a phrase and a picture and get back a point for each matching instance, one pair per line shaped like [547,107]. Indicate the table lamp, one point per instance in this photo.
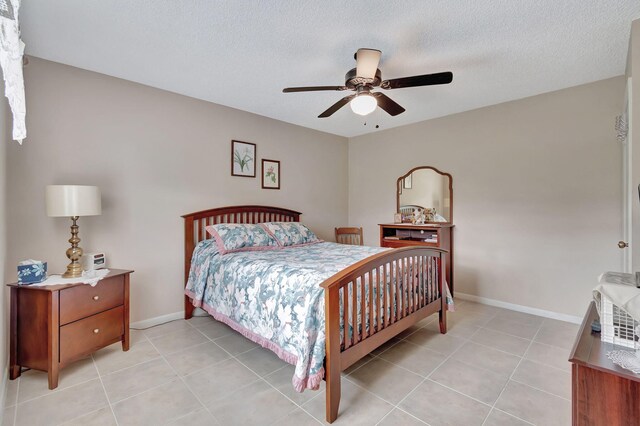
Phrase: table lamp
[73,201]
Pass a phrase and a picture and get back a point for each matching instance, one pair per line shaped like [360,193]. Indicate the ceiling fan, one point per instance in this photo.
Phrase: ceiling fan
[364,78]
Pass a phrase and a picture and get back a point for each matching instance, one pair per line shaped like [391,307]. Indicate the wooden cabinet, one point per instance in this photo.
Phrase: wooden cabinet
[54,326]
[398,235]
[603,393]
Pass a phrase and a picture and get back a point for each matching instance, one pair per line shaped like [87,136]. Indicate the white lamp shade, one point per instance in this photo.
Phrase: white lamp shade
[363,104]
[73,200]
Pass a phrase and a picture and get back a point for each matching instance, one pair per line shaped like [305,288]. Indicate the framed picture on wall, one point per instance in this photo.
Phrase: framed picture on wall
[243,159]
[270,174]
[407,182]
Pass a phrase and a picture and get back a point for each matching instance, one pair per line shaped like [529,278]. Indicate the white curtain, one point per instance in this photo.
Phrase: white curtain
[11,52]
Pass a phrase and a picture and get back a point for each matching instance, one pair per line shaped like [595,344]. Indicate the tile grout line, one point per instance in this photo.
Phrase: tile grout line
[143,391]
[428,375]
[137,364]
[234,357]
[104,390]
[82,415]
[547,365]
[378,356]
[15,412]
[348,377]
[468,339]
[182,378]
[54,391]
[513,372]
[541,390]
[122,369]
[159,355]
[298,406]
[375,356]
[522,338]
[259,377]
[496,349]
[509,414]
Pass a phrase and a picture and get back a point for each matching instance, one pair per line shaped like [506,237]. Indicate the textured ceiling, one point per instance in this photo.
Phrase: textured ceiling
[243,53]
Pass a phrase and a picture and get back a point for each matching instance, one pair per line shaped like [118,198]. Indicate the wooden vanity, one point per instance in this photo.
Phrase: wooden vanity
[396,235]
[424,195]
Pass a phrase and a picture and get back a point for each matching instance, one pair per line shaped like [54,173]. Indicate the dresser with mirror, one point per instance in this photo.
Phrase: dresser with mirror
[424,214]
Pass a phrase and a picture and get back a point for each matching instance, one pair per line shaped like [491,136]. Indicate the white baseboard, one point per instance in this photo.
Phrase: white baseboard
[473,298]
[157,320]
[519,308]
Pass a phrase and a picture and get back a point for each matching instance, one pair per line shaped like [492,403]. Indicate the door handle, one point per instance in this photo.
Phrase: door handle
[622,244]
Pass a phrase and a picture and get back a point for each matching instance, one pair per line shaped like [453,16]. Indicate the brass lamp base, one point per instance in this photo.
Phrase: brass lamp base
[74,253]
[74,270]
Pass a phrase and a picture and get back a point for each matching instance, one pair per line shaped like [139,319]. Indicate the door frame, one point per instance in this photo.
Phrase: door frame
[628,189]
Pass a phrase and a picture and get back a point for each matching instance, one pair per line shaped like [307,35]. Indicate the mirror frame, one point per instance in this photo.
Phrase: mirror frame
[401,179]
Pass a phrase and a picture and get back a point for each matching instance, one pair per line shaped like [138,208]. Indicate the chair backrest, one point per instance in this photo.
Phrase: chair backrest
[352,236]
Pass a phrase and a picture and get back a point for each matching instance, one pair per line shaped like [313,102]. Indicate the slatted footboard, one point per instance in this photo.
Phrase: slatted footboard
[374,300]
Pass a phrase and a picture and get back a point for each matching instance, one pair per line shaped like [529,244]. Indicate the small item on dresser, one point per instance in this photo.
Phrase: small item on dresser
[397,218]
[429,215]
[91,261]
[31,271]
[418,216]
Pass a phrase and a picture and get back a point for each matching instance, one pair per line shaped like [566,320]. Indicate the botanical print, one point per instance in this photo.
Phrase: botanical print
[243,159]
[270,174]
[407,182]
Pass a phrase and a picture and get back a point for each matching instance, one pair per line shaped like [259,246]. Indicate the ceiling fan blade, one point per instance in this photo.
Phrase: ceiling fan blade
[333,108]
[313,89]
[418,80]
[388,104]
[367,62]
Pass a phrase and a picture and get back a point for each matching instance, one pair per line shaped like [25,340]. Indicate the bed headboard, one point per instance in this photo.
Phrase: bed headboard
[195,223]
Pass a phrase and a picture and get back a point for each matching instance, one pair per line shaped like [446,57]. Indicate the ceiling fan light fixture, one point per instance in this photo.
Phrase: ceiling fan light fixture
[363,104]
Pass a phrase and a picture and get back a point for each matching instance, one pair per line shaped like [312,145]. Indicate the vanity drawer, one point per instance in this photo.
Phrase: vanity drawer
[82,301]
[90,334]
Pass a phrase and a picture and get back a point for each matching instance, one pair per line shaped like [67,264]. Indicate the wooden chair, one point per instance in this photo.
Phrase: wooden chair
[351,236]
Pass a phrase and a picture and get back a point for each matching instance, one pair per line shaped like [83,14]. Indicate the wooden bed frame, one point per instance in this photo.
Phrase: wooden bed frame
[405,265]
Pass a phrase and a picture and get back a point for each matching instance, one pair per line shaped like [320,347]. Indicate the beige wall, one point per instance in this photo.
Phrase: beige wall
[155,155]
[5,133]
[536,192]
[536,182]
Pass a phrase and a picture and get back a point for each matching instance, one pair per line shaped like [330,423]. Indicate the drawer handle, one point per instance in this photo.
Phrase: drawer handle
[96,298]
[96,330]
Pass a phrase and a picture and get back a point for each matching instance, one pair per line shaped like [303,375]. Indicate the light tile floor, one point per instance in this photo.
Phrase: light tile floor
[493,367]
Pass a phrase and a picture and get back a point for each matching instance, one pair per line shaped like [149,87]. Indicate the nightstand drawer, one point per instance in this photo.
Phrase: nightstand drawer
[90,334]
[82,301]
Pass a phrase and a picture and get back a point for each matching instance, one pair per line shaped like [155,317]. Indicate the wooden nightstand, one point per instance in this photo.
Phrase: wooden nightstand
[53,326]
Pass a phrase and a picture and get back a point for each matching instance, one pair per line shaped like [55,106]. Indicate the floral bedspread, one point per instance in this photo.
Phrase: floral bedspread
[274,297]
